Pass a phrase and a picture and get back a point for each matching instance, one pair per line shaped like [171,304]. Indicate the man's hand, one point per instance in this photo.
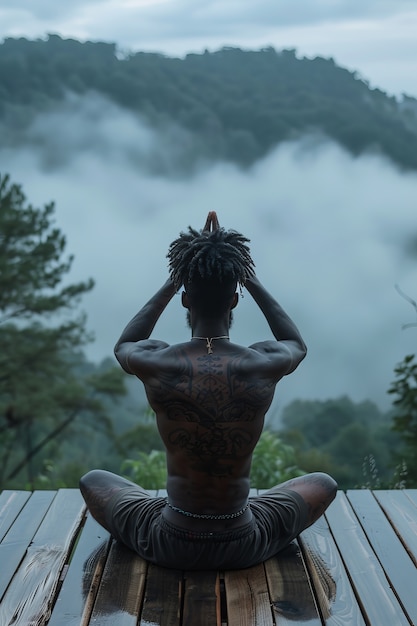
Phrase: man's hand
[212,223]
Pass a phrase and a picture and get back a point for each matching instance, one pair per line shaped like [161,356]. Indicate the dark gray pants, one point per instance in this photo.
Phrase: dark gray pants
[135,519]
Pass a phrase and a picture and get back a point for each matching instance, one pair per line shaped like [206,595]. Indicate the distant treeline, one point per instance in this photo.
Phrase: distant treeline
[237,104]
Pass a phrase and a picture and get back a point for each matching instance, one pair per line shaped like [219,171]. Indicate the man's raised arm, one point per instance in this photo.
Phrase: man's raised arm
[142,324]
[281,325]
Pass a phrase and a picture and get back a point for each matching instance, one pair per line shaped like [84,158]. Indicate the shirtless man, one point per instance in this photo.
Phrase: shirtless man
[210,397]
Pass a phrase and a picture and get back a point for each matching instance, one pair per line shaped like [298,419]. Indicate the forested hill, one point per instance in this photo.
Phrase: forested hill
[236,104]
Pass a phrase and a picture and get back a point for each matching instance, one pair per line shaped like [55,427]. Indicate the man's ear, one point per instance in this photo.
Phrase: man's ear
[184,300]
[235,300]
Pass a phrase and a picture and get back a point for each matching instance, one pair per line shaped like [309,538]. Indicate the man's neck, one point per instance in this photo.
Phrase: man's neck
[210,328]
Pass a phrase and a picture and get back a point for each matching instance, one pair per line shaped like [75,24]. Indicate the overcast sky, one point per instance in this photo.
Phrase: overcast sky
[330,234]
[377,38]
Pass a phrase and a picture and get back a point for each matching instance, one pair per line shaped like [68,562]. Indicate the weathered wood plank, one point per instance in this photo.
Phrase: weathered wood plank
[399,568]
[247,597]
[332,586]
[291,596]
[403,516]
[121,589]
[201,599]
[78,592]
[353,573]
[16,541]
[29,597]
[162,599]
[372,589]
[11,503]
[412,495]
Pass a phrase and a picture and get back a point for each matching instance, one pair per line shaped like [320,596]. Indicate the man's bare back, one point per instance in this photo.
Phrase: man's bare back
[210,411]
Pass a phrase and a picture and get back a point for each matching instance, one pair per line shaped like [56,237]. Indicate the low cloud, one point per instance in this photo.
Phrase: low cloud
[329,235]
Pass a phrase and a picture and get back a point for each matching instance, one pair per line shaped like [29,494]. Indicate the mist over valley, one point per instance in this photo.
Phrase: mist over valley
[332,232]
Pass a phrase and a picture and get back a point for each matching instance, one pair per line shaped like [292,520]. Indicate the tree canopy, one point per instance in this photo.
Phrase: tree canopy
[237,104]
[45,383]
[404,390]
[31,266]
[353,442]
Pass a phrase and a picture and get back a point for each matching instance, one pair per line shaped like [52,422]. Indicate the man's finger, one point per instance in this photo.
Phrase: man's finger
[207,225]
[214,221]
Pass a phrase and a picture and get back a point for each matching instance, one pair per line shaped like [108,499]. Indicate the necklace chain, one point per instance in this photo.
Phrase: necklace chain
[209,341]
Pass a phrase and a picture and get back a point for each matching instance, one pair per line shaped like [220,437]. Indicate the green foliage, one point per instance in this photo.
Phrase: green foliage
[345,439]
[236,104]
[45,383]
[148,470]
[404,390]
[144,437]
[54,475]
[273,462]
[30,260]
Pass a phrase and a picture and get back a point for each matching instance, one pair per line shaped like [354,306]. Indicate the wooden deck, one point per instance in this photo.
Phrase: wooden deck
[356,566]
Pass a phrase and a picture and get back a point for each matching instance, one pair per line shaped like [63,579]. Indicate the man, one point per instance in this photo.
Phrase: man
[210,397]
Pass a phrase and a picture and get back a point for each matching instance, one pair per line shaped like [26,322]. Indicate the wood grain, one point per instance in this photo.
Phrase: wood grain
[398,567]
[402,514]
[79,589]
[247,597]
[11,503]
[372,589]
[163,597]
[336,599]
[16,541]
[292,599]
[201,599]
[29,597]
[411,494]
[355,566]
[121,589]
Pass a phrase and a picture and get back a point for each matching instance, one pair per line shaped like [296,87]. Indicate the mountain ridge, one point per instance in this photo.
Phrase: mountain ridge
[239,104]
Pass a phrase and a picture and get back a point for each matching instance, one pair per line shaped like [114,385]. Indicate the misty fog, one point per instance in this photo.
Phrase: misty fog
[331,236]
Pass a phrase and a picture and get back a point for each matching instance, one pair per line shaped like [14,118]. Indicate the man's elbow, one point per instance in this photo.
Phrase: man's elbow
[302,352]
[298,355]
[299,350]
[116,351]
[121,357]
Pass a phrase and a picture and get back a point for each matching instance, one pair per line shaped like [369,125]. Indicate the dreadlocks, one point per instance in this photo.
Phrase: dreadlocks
[217,256]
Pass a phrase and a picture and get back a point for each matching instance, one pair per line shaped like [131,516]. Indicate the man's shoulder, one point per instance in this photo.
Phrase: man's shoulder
[156,350]
[151,344]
